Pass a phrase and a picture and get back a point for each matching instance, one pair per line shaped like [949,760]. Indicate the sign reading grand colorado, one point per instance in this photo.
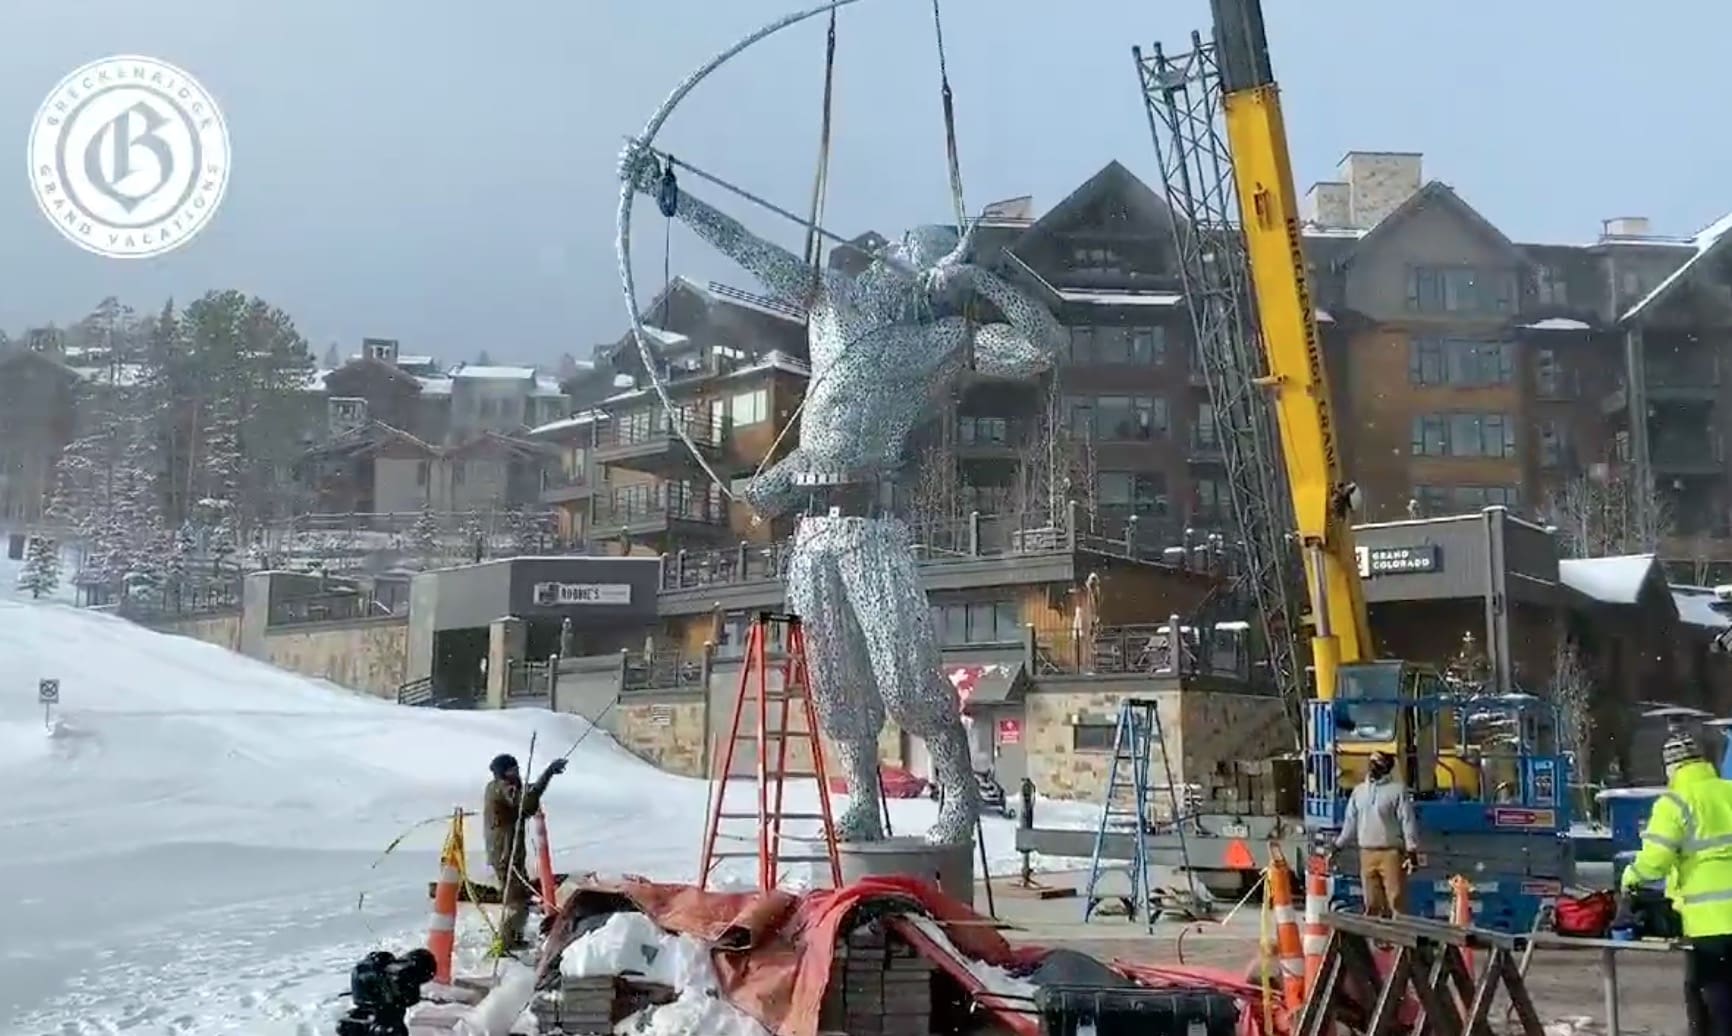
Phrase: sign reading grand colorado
[129,157]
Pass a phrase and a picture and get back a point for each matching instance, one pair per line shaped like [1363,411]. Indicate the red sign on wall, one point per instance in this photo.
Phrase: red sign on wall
[1010,731]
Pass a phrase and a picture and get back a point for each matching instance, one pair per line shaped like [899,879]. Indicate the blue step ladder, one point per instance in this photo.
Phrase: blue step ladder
[1137,732]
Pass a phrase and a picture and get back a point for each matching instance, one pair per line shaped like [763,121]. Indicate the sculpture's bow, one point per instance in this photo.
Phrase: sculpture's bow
[627,195]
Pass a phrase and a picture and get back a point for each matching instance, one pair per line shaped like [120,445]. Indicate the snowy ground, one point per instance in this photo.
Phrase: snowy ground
[185,852]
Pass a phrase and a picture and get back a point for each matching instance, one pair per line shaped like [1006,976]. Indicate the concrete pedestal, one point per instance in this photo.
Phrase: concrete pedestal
[951,866]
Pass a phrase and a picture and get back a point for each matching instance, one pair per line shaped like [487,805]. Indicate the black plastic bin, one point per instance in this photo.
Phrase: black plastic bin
[1067,1010]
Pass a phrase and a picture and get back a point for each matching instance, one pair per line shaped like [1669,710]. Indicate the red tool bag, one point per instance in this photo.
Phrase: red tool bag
[1587,916]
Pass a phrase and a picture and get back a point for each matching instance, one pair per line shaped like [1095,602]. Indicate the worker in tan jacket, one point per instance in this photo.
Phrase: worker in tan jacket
[506,805]
[1380,822]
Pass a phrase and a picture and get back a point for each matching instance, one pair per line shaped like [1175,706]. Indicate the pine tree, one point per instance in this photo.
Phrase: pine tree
[333,359]
[422,539]
[41,573]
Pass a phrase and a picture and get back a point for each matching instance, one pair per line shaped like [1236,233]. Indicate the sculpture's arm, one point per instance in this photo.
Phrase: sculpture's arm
[1021,348]
[772,491]
[1026,345]
[781,272]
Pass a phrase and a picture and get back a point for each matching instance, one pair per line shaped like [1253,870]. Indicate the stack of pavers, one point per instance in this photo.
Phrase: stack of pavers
[879,986]
[577,1007]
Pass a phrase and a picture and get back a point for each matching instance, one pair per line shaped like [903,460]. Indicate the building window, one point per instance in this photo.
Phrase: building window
[1463,434]
[1149,345]
[1460,289]
[1129,418]
[1554,444]
[983,431]
[421,473]
[1213,503]
[1550,286]
[1460,361]
[751,407]
[960,623]
[1140,492]
[1082,345]
[457,473]
[1093,736]
[1204,432]
[731,636]
[1546,374]
[1443,500]
[1095,259]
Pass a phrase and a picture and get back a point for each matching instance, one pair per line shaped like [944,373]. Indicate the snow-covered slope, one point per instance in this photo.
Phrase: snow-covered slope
[185,852]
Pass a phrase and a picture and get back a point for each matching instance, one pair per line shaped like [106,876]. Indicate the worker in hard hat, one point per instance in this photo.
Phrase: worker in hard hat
[1688,842]
[1380,822]
[507,804]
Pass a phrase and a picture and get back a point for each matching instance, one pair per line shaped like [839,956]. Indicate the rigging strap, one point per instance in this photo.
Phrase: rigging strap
[949,123]
[821,179]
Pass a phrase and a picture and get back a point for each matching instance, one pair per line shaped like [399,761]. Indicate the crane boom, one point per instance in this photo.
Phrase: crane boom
[1296,379]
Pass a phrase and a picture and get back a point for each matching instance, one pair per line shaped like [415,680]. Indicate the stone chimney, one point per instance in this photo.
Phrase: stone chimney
[1328,204]
[1377,183]
[1625,226]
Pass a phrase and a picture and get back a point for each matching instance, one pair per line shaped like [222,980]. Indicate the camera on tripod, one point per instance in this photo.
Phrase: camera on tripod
[382,988]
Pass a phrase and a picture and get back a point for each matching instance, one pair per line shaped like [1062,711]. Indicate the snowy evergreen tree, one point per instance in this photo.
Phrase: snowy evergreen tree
[332,359]
[41,573]
[422,539]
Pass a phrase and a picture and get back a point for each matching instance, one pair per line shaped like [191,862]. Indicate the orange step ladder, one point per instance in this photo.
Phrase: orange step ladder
[778,691]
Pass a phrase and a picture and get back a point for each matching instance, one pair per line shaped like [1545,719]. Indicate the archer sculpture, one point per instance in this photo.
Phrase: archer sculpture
[881,356]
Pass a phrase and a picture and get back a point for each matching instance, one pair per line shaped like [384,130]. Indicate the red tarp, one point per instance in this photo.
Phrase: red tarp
[773,951]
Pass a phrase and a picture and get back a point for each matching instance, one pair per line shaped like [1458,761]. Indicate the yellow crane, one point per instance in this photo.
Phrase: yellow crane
[1278,353]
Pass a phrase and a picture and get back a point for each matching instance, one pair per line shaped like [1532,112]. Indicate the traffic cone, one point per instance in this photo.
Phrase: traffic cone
[442,928]
[1316,940]
[544,863]
[1287,942]
[1461,910]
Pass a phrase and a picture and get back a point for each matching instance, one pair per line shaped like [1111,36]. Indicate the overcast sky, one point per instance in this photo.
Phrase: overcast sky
[443,171]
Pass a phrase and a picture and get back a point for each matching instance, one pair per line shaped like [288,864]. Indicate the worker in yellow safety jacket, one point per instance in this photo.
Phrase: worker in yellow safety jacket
[1688,842]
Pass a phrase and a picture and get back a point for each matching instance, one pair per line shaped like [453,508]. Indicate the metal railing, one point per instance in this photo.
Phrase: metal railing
[416,692]
[662,670]
[1166,649]
[641,427]
[337,605]
[181,601]
[675,501]
[974,537]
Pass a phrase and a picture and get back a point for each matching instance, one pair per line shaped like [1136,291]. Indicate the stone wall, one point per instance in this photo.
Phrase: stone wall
[1204,729]
[369,655]
[667,731]
[222,629]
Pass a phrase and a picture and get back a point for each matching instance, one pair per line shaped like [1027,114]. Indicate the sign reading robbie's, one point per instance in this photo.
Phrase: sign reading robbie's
[555,595]
[1390,561]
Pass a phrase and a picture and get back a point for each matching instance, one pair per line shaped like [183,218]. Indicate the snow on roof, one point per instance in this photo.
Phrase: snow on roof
[316,380]
[414,361]
[1323,316]
[502,373]
[574,421]
[1121,298]
[1616,580]
[664,336]
[1316,230]
[1697,607]
[1557,324]
[757,303]
[775,359]
[123,375]
[1704,242]
[547,387]
[435,386]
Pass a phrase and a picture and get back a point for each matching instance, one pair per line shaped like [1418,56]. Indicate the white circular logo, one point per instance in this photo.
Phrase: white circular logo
[129,157]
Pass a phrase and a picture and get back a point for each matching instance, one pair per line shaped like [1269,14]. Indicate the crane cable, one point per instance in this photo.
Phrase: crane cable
[821,179]
[952,154]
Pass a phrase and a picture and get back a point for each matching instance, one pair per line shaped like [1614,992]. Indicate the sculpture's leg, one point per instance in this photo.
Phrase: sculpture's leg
[884,590]
[849,708]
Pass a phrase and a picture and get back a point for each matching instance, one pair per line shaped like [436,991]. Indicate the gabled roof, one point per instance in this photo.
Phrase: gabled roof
[368,363]
[1112,180]
[1615,580]
[19,354]
[369,437]
[1435,193]
[1710,242]
[490,442]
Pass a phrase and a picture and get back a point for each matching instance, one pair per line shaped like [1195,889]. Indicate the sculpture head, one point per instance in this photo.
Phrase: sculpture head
[893,283]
